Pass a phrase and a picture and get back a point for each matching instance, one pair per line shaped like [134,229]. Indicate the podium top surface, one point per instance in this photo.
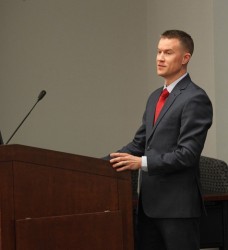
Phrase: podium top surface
[51,158]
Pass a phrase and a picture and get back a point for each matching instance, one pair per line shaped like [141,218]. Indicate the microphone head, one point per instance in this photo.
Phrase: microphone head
[41,95]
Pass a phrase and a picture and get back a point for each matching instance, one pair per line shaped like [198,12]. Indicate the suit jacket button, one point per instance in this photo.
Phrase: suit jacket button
[148,148]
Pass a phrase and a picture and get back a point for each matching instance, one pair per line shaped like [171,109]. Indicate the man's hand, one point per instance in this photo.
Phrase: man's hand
[124,161]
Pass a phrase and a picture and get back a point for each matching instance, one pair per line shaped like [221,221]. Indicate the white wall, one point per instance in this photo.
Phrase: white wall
[221,67]
[90,57]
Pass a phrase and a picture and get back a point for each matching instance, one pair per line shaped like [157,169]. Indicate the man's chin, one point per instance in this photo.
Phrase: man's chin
[159,73]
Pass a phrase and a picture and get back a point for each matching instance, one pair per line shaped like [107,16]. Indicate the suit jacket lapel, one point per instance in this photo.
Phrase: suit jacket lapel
[151,109]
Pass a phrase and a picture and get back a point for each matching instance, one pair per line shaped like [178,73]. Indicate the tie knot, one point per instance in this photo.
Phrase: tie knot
[165,93]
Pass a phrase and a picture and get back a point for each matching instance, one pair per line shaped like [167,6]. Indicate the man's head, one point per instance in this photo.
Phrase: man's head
[175,49]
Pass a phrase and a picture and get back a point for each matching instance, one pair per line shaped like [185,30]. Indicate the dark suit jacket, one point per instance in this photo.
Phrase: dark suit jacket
[173,145]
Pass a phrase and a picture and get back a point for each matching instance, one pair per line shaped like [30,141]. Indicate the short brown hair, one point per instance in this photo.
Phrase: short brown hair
[182,36]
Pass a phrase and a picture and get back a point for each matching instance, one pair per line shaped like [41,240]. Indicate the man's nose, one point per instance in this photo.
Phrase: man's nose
[160,56]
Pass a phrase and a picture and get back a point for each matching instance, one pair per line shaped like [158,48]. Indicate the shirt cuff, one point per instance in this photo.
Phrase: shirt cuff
[144,163]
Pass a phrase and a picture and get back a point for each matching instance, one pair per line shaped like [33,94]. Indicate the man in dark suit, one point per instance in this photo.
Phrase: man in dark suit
[166,150]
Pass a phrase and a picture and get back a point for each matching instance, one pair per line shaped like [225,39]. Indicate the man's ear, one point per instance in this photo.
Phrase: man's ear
[186,58]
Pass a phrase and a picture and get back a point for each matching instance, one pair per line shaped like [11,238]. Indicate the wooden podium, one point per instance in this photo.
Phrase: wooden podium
[57,201]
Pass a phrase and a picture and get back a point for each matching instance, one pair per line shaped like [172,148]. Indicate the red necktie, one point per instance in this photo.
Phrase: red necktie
[160,103]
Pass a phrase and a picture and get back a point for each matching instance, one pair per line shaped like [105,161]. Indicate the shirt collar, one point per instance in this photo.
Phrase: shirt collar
[173,84]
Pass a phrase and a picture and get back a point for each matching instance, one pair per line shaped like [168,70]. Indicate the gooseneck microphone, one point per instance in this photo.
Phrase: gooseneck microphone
[40,97]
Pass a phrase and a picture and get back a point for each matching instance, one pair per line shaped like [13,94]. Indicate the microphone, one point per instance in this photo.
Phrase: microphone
[40,97]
